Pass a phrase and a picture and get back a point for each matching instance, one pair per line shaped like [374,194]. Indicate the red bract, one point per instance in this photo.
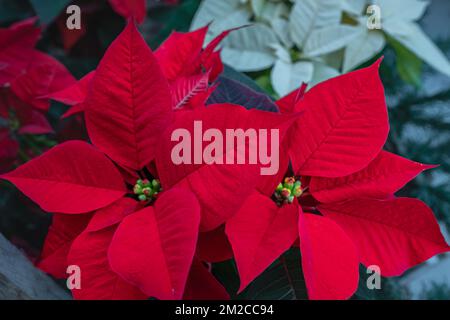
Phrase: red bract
[343,125]
[336,150]
[26,77]
[74,95]
[232,183]
[16,48]
[130,249]
[181,55]
[188,69]
[60,182]
[125,129]
[130,8]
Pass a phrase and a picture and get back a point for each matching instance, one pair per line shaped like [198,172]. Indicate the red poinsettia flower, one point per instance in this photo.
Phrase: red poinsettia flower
[339,201]
[130,249]
[26,77]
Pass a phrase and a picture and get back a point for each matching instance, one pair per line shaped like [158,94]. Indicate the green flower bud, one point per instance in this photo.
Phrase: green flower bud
[279,187]
[142,197]
[291,199]
[285,193]
[147,191]
[156,184]
[289,182]
[139,182]
[298,191]
[137,189]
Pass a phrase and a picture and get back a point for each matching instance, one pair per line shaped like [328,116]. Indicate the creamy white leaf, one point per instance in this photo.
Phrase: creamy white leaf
[412,37]
[355,7]
[309,15]
[401,9]
[212,11]
[237,19]
[258,6]
[364,47]
[329,39]
[281,27]
[273,11]
[281,53]
[250,48]
[321,73]
[286,77]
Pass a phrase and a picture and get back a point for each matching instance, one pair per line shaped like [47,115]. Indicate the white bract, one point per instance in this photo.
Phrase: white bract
[314,40]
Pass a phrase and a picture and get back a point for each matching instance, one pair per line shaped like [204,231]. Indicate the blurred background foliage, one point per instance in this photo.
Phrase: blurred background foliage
[419,116]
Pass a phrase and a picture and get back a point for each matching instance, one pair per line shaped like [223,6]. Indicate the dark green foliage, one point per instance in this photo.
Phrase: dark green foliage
[231,91]
[47,10]
[283,280]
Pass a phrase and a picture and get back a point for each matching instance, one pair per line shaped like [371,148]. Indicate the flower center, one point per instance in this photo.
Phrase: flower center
[147,190]
[287,191]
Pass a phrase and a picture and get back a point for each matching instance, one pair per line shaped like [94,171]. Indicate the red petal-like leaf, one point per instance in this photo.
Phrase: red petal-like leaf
[129,104]
[393,234]
[74,94]
[33,84]
[179,52]
[130,8]
[287,104]
[202,285]
[16,48]
[112,214]
[184,89]
[89,252]
[220,188]
[72,177]
[44,75]
[78,108]
[154,247]
[343,125]
[329,259]
[259,233]
[213,246]
[385,175]
[63,231]
[215,64]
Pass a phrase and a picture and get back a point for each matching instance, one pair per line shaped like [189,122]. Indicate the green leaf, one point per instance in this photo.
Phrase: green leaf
[162,20]
[226,273]
[47,10]
[283,280]
[409,66]
[231,91]
[231,73]
[14,10]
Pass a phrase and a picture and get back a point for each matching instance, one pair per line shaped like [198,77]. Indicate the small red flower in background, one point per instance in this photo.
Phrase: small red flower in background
[26,76]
